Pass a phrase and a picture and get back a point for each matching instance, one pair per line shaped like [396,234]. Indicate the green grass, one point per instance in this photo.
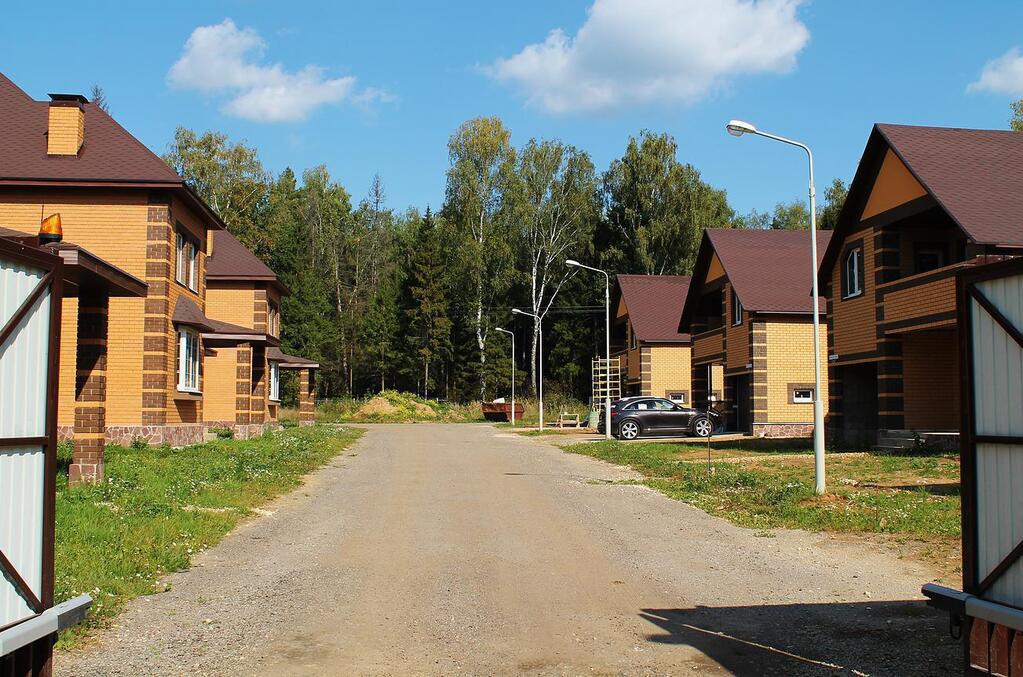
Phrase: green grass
[159,506]
[777,490]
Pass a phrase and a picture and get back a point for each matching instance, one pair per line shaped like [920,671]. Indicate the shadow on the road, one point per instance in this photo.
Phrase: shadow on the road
[871,638]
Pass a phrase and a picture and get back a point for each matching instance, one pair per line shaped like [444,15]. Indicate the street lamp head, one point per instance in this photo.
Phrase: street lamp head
[571,262]
[500,329]
[740,127]
[516,311]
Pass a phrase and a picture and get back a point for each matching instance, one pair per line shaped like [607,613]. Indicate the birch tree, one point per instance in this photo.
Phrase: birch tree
[480,174]
[557,186]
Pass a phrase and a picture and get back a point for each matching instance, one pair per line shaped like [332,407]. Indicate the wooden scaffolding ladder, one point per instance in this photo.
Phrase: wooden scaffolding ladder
[607,380]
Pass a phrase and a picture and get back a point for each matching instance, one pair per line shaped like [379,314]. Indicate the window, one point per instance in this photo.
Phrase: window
[929,258]
[802,395]
[275,381]
[736,309]
[852,274]
[678,397]
[633,341]
[663,405]
[273,319]
[188,360]
[187,271]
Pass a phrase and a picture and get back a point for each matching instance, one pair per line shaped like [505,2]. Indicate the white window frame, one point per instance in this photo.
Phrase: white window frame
[189,361]
[633,341]
[853,283]
[180,244]
[679,394]
[275,380]
[796,399]
[193,266]
[736,309]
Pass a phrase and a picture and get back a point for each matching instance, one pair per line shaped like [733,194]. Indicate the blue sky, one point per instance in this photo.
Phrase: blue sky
[821,72]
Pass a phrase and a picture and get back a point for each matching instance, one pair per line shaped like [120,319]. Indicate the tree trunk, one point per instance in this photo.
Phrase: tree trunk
[426,379]
[481,343]
[532,358]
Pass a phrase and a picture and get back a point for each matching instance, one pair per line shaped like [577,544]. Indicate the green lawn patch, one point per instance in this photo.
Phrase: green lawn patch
[906,495]
[159,506]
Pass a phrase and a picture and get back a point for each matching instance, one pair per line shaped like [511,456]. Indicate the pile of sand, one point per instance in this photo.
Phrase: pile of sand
[378,406]
[425,410]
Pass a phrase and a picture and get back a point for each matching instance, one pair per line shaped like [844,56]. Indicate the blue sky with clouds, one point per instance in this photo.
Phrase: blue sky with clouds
[378,87]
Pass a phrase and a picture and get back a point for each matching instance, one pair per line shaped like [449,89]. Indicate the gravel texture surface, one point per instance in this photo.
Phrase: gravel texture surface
[460,549]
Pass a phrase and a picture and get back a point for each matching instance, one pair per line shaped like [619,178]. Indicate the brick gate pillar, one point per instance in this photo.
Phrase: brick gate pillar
[306,397]
[90,388]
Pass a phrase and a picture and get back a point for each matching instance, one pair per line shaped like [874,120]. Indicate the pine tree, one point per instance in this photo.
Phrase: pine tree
[429,326]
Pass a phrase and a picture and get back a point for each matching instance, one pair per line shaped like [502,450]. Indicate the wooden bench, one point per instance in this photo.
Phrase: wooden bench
[565,420]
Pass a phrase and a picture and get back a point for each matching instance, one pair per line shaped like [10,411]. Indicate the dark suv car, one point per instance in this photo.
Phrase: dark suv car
[643,415]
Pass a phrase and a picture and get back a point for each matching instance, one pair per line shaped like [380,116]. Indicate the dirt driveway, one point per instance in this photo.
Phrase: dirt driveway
[459,549]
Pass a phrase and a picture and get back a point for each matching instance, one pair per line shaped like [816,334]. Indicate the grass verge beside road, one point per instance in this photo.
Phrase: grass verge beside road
[159,506]
[908,497]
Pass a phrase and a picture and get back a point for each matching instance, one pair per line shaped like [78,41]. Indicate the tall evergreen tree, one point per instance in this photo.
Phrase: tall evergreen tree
[429,332]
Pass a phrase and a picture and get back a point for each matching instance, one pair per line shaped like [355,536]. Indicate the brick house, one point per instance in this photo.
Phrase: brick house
[242,355]
[749,311]
[124,205]
[656,357]
[925,203]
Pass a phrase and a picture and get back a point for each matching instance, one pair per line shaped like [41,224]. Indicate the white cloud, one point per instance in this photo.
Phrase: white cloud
[644,51]
[224,59]
[1003,75]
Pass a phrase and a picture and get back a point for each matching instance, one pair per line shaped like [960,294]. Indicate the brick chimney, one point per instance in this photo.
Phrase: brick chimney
[66,130]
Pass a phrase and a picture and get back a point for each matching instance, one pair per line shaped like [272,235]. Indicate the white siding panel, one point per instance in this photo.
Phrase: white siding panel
[23,365]
[21,518]
[998,411]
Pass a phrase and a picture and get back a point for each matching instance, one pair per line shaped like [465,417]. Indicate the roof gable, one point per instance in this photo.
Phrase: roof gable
[769,270]
[894,185]
[231,260]
[654,305]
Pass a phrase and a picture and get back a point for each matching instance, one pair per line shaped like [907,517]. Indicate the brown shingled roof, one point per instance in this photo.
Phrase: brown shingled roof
[186,312]
[289,361]
[231,260]
[976,175]
[110,152]
[654,303]
[768,269]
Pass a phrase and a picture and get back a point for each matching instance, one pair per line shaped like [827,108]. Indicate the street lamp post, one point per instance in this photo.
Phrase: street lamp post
[607,342]
[738,128]
[512,334]
[539,387]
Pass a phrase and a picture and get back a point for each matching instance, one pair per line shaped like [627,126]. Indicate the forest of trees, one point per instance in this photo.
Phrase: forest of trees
[409,299]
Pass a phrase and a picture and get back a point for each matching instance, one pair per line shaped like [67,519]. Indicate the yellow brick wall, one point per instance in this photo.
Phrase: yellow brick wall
[180,409]
[230,302]
[671,370]
[111,225]
[632,357]
[854,319]
[66,128]
[790,361]
[219,388]
[736,337]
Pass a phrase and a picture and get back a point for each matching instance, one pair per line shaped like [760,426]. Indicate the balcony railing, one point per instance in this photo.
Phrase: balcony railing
[924,300]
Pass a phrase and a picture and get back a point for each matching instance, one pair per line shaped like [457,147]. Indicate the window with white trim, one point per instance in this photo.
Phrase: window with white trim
[736,309]
[275,381]
[188,360]
[187,271]
[853,272]
[633,341]
[802,395]
[678,397]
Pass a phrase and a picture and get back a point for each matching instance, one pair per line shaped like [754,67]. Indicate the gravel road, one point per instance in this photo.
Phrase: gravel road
[461,549]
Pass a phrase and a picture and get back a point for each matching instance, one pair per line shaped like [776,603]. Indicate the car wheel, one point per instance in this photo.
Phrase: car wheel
[628,430]
[702,427]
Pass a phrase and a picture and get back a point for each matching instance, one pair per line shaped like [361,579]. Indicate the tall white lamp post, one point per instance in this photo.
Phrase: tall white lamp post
[512,334]
[539,386]
[607,342]
[738,128]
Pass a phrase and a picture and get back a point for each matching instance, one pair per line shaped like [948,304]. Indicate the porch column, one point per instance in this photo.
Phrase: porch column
[243,388]
[758,378]
[90,388]
[891,405]
[306,397]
